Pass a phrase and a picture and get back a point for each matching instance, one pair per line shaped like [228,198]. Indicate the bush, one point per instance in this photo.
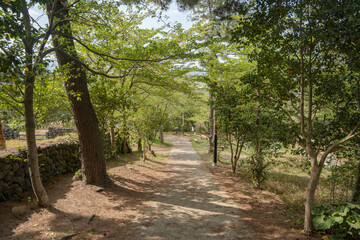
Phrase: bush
[342,222]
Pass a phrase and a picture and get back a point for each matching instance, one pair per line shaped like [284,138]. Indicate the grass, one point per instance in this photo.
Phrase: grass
[287,177]
[15,143]
[157,142]
[135,158]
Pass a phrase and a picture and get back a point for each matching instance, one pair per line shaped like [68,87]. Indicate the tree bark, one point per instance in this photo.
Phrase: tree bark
[231,152]
[75,81]
[32,154]
[113,141]
[112,136]
[161,134]
[2,138]
[125,148]
[239,147]
[139,145]
[310,195]
[144,150]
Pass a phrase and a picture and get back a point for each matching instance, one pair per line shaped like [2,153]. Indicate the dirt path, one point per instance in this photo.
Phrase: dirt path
[191,205]
[177,198]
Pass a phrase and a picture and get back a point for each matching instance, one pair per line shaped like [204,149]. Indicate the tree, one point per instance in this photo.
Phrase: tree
[233,110]
[342,17]
[24,57]
[306,76]
[75,81]
[110,60]
[231,114]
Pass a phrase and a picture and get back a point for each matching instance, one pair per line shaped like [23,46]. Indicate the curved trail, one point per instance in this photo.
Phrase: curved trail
[189,205]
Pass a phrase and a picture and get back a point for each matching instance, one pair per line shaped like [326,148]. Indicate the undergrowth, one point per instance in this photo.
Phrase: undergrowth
[288,177]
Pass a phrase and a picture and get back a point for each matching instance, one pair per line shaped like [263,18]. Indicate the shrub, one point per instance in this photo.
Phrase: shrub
[342,222]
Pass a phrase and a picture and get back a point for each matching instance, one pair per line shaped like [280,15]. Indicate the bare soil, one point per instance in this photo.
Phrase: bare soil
[73,204]
[262,211]
[145,197]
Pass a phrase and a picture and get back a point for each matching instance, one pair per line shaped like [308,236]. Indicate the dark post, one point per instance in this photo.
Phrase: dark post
[215,142]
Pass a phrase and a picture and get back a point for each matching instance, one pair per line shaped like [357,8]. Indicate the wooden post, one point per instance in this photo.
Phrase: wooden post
[215,142]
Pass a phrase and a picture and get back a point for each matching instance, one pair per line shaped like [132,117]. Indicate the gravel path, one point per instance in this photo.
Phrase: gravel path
[189,205]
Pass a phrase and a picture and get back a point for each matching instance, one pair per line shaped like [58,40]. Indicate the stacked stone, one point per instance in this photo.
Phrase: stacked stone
[10,133]
[14,175]
[54,160]
[53,132]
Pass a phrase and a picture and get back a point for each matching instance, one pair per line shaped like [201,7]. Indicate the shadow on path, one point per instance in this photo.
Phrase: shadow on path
[189,205]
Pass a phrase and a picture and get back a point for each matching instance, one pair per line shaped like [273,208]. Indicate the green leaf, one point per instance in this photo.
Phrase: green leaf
[353,205]
[322,222]
[338,219]
[341,210]
[355,224]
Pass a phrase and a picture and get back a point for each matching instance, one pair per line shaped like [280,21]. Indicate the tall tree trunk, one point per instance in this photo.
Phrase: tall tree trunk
[162,134]
[92,148]
[129,150]
[32,154]
[144,150]
[139,145]
[112,136]
[231,151]
[2,138]
[239,147]
[310,195]
[149,146]
[125,148]
[113,141]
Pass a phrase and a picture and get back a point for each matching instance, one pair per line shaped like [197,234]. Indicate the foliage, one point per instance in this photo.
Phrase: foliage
[343,222]
[244,114]
[341,179]
[307,79]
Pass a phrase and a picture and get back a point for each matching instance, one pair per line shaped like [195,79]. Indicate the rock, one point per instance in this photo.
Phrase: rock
[15,166]
[2,187]
[10,133]
[75,178]
[9,177]
[19,211]
[27,184]
[19,180]
[54,160]
[20,173]
[26,170]
[6,160]
[2,197]
[3,173]
[16,189]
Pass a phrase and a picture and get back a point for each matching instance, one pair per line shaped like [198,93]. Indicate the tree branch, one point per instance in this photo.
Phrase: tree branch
[13,106]
[352,134]
[96,72]
[122,59]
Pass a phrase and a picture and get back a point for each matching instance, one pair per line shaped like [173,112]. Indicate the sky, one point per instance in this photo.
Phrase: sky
[175,16]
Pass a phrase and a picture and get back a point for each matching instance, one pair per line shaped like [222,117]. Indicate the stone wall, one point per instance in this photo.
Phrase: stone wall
[10,133]
[54,159]
[53,132]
